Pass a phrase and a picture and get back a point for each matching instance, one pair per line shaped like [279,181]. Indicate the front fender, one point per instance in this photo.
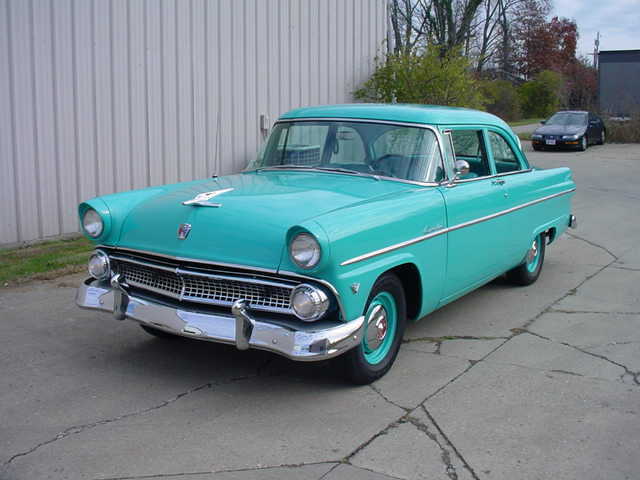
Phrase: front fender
[362,229]
[114,209]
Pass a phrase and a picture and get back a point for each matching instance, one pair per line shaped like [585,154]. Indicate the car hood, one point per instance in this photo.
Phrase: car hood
[560,130]
[250,227]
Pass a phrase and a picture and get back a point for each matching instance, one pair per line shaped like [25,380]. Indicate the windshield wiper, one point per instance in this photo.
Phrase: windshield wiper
[347,170]
[284,166]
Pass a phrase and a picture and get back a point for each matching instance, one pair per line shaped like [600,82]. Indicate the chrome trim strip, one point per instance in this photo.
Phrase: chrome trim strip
[468,180]
[192,260]
[422,238]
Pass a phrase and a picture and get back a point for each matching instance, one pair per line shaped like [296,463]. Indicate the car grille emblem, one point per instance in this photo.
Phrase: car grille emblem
[183,230]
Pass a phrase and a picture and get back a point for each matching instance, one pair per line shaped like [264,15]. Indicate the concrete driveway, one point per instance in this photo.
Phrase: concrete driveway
[506,383]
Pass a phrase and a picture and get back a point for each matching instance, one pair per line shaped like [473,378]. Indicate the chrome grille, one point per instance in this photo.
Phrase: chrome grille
[214,289]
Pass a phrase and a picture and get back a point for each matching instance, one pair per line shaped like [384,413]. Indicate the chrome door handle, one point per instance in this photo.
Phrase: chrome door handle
[497,181]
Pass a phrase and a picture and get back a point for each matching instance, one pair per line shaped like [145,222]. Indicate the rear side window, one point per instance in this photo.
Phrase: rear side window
[503,155]
[469,146]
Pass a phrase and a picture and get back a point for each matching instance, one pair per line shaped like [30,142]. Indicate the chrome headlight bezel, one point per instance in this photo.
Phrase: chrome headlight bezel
[92,223]
[317,302]
[99,265]
[305,251]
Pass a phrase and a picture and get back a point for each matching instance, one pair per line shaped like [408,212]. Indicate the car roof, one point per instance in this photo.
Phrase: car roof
[422,114]
[571,111]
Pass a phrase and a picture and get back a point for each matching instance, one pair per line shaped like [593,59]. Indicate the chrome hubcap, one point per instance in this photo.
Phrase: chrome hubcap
[376,327]
[533,251]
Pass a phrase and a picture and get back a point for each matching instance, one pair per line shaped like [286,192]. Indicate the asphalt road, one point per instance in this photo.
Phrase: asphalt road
[507,383]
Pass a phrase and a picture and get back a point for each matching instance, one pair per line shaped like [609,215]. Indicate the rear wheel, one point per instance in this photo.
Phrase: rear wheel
[529,271]
[385,320]
[158,333]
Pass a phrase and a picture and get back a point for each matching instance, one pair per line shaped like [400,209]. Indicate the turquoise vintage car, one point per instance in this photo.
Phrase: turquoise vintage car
[353,220]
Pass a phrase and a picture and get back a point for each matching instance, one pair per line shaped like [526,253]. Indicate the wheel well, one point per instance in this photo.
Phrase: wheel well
[551,235]
[412,284]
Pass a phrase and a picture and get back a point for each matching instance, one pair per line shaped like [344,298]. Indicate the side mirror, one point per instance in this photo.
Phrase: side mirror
[543,122]
[461,167]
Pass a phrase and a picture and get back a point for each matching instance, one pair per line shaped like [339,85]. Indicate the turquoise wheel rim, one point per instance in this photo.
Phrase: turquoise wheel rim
[381,326]
[533,255]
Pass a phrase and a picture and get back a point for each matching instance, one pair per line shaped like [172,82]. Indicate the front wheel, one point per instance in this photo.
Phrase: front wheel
[584,143]
[385,320]
[529,271]
[603,134]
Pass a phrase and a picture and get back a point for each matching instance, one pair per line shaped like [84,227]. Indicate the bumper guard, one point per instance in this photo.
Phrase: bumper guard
[308,343]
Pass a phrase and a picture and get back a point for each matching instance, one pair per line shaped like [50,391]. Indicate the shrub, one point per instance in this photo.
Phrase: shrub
[502,99]
[625,131]
[540,97]
[428,78]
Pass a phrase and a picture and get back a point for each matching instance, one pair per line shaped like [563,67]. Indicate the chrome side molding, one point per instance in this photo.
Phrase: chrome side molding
[453,228]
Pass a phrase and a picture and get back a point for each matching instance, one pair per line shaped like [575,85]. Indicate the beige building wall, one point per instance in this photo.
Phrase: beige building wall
[102,96]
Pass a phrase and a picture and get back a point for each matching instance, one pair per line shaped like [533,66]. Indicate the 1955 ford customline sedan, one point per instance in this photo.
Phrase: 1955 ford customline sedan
[352,220]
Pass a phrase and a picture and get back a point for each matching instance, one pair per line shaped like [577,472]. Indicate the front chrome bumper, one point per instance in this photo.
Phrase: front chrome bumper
[239,328]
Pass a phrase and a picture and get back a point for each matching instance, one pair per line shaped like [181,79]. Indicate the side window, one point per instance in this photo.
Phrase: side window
[503,156]
[348,147]
[469,145]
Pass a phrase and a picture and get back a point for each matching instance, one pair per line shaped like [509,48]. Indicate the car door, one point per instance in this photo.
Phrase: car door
[519,184]
[476,236]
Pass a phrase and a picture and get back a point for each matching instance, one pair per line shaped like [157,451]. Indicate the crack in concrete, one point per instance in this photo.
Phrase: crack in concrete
[627,371]
[466,464]
[229,470]
[76,429]
[595,312]
[439,340]
[593,244]
[366,443]
[329,471]
[569,292]
[386,399]
[445,455]
[630,269]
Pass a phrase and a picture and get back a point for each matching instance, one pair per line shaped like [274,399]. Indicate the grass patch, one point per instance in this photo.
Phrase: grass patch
[525,135]
[43,261]
[526,121]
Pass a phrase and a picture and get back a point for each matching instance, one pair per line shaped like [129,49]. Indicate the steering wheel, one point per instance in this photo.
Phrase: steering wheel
[375,164]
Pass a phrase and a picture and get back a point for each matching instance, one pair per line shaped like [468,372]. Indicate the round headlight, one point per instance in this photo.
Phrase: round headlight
[309,303]
[92,223]
[305,250]
[98,266]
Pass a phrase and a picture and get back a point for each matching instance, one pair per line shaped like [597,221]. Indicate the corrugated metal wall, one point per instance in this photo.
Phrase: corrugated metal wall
[101,96]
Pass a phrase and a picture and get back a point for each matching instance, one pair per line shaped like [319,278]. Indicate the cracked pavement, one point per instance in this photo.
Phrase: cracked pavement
[508,382]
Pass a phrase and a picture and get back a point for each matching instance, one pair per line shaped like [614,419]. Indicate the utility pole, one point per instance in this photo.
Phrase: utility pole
[596,47]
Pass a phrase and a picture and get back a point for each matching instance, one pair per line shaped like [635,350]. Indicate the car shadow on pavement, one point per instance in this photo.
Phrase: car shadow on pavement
[183,358]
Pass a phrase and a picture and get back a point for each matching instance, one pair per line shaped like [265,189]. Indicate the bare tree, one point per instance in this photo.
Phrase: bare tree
[406,25]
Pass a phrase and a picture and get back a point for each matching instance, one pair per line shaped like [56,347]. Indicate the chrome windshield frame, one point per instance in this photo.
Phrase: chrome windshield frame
[432,128]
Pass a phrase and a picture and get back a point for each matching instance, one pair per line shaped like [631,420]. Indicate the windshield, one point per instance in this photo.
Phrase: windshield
[407,153]
[575,119]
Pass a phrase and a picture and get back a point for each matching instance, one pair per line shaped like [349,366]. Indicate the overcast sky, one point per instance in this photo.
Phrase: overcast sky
[617,20]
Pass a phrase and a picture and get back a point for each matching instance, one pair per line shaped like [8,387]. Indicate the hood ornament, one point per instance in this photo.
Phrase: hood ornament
[183,230]
[202,199]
